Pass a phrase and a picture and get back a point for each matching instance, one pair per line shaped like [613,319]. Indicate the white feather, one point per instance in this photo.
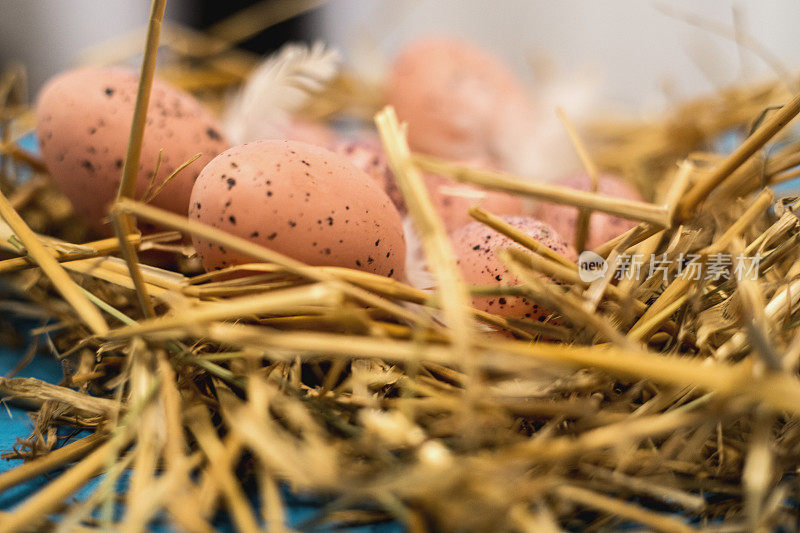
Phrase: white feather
[278,87]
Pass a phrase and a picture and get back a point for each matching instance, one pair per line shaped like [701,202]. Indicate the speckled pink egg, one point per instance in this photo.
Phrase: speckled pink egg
[602,227]
[300,200]
[367,154]
[452,200]
[83,121]
[450,91]
[476,246]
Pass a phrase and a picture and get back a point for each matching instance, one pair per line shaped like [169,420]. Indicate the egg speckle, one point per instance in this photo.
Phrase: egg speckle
[450,93]
[476,247]
[83,122]
[300,200]
[602,227]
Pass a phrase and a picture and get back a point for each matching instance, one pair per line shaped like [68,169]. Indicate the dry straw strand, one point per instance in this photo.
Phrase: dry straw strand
[61,280]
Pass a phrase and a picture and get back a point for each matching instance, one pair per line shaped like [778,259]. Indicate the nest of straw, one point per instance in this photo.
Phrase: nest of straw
[667,402]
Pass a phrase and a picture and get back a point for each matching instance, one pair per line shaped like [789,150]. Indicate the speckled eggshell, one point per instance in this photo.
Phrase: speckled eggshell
[476,246]
[602,227]
[83,121]
[300,200]
[450,91]
[452,200]
[367,154]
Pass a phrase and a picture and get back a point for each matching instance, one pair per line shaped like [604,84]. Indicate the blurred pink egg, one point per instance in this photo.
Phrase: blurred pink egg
[307,131]
[452,200]
[450,92]
[602,227]
[367,154]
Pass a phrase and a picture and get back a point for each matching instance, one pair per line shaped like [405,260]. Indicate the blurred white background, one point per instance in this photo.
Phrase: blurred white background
[636,51]
[640,57]
[47,35]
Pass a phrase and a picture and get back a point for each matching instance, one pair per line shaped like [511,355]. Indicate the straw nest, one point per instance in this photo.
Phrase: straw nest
[666,401]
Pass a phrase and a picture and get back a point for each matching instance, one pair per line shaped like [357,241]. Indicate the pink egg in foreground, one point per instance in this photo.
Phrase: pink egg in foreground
[602,227]
[300,200]
[450,92]
[476,246]
[83,122]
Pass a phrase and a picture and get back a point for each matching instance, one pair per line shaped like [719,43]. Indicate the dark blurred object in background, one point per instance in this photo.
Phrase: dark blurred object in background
[46,36]
[204,14]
